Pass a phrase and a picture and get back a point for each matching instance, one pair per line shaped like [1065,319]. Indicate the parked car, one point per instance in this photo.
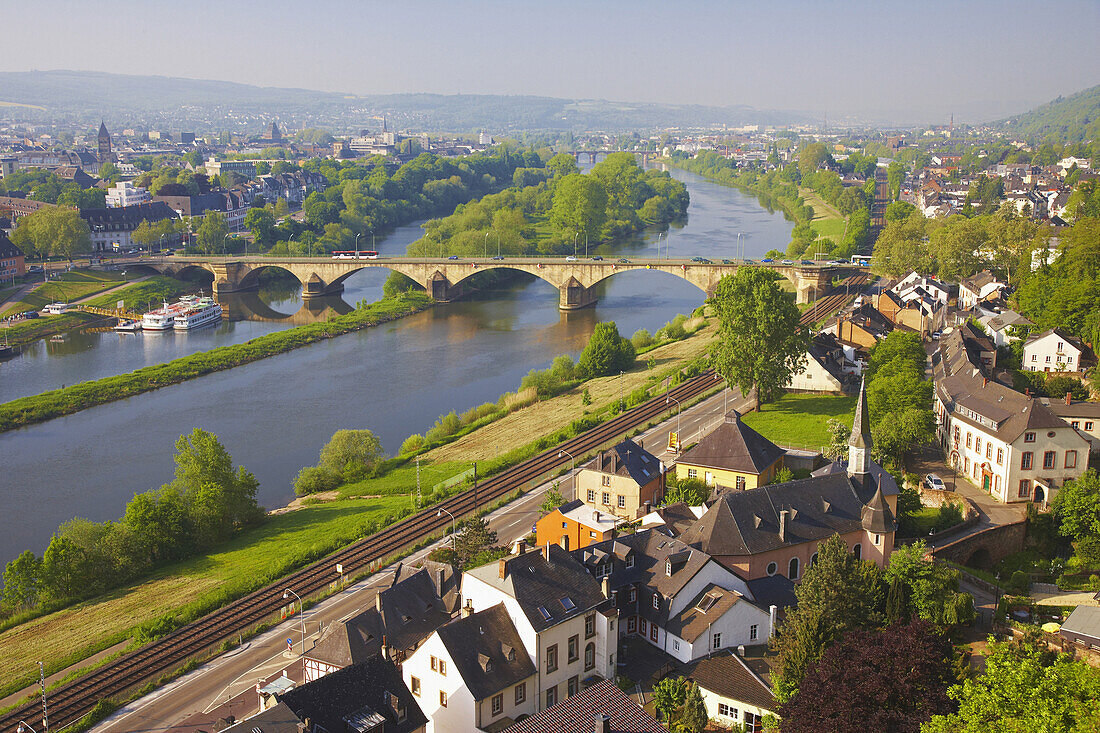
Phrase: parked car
[727,262]
[933,481]
[807,262]
[30,314]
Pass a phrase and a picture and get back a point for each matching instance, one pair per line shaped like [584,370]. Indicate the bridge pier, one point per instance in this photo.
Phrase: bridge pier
[574,296]
[228,277]
[441,289]
[811,285]
[315,287]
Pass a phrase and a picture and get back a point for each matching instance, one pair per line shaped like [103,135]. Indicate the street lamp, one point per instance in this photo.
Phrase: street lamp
[485,244]
[562,454]
[670,397]
[575,235]
[24,727]
[440,513]
[301,616]
[622,404]
[357,244]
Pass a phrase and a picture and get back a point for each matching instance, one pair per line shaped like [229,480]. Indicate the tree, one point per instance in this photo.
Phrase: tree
[669,696]
[352,454]
[473,538]
[53,230]
[761,343]
[691,491]
[901,673]
[562,164]
[22,578]
[1077,507]
[1024,688]
[693,718]
[579,206]
[552,500]
[811,157]
[261,223]
[838,594]
[607,352]
[902,247]
[932,589]
[212,233]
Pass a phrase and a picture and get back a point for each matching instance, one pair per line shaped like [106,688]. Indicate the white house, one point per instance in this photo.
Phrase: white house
[676,597]
[1001,326]
[563,617]
[824,370]
[916,286]
[125,193]
[473,673]
[977,288]
[735,688]
[1053,351]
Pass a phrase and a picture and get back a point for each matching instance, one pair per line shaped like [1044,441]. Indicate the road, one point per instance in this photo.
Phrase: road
[226,685]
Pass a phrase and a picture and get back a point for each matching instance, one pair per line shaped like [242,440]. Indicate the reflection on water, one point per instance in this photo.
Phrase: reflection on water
[274,415]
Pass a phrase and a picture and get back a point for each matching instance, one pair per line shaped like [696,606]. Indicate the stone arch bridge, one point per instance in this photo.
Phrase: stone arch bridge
[446,279]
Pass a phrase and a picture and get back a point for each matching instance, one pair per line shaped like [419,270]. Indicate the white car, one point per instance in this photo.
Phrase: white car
[933,481]
[570,258]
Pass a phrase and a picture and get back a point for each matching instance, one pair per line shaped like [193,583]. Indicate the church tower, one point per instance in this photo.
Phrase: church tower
[104,143]
[859,442]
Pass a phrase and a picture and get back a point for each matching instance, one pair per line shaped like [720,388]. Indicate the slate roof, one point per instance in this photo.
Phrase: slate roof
[747,522]
[860,436]
[1069,339]
[577,714]
[708,605]
[356,692]
[538,584]
[733,446]
[276,719]
[627,459]
[1004,319]
[677,517]
[487,651]
[729,676]
[8,248]
[777,590]
[976,282]
[126,218]
[1084,621]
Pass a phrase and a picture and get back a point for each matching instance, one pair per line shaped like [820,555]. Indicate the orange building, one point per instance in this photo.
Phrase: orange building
[12,264]
[574,525]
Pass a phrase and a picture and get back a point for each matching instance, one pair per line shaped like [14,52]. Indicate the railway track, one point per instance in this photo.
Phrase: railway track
[830,304]
[73,700]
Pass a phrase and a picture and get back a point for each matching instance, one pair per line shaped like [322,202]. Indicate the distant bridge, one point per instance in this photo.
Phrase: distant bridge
[445,279]
[646,155]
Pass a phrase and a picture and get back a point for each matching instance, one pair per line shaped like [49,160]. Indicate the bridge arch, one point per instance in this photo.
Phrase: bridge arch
[660,272]
[251,279]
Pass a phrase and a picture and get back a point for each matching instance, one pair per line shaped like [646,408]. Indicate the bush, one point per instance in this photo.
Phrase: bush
[315,479]
[950,515]
[641,339]
[607,352]
[353,453]
[1018,582]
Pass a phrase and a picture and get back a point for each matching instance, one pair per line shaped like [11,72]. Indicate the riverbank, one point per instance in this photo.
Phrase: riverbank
[68,400]
[292,539]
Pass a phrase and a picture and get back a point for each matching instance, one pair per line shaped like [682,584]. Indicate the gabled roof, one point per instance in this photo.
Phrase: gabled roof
[487,651]
[577,714]
[539,580]
[708,605]
[627,459]
[8,248]
[1060,333]
[369,688]
[729,676]
[276,719]
[733,446]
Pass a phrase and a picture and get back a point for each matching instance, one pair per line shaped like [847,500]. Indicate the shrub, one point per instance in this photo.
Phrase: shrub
[353,453]
[950,515]
[1018,582]
[412,444]
[641,339]
[586,397]
[314,479]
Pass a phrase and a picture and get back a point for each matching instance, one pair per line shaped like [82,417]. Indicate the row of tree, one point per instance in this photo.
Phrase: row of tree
[206,503]
[899,397]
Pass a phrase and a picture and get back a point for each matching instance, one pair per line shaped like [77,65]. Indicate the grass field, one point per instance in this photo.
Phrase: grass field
[68,287]
[64,637]
[827,222]
[801,420]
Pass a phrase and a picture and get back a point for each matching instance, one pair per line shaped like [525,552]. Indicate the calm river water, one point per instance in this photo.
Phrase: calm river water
[274,415]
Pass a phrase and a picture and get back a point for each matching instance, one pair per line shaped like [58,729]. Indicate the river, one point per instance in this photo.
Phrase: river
[274,415]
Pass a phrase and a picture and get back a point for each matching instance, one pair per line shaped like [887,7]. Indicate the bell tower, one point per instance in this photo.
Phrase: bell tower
[859,442]
[104,143]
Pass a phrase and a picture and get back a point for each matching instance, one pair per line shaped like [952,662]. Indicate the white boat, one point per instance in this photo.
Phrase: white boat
[162,318]
[128,326]
[198,312]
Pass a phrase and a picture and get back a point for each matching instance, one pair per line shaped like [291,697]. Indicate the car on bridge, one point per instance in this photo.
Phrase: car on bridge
[597,258]
[788,262]
[623,261]
[497,257]
[453,257]
[767,259]
[570,258]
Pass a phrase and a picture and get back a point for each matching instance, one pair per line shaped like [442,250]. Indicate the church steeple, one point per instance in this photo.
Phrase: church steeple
[859,442]
[104,143]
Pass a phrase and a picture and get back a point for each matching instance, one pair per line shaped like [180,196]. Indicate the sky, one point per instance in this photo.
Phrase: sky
[919,60]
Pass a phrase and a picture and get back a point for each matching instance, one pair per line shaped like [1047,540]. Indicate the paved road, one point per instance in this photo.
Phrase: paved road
[226,685]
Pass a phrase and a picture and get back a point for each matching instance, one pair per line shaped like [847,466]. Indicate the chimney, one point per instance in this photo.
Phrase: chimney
[605,586]
[783,525]
[519,546]
[985,381]
[546,552]
[772,613]
[378,602]
[740,650]
[503,565]
[603,723]
[596,515]
[303,727]
[439,578]
[468,609]
[1069,398]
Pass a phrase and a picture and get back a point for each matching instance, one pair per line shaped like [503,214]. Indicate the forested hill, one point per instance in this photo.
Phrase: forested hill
[1065,120]
[173,103]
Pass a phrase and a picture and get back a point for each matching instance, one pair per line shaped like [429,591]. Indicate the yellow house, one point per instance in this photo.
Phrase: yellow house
[732,456]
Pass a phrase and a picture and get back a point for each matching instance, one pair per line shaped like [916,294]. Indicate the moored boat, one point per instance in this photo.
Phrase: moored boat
[198,312]
[126,325]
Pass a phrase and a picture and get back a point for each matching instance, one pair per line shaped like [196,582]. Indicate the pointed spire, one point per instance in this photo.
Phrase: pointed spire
[861,425]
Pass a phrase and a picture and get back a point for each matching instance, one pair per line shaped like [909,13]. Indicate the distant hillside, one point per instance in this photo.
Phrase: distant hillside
[174,103]
[1065,120]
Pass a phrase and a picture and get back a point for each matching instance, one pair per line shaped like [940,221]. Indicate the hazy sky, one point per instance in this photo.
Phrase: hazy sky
[923,59]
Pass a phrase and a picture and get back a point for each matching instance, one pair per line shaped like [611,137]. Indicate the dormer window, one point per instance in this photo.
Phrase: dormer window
[656,600]
[630,561]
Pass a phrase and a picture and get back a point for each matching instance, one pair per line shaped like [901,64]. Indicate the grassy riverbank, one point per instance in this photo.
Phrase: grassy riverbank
[291,539]
[67,287]
[66,401]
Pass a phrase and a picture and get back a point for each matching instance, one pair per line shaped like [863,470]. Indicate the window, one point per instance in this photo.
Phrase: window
[571,686]
[752,633]
[966,464]
[1048,459]
[653,632]
[630,561]
[813,559]
[1075,424]
[592,495]
[606,498]
[1025,489]
[605,480]
[589,656]
[978,444]
[716,641]
[574,648]
[858,551]
[726,711]
[956,435]
[1000,456]
[521,693]
[631,625]
[443,667]
[442,699]
[643,629]
[1048,360]
[771,569]
[693,473]
[622,501]
[1034,357]
[1025,461]
[792,569]
[552,658]
[1029,437]
[740,483]
[415,686]
[968,438]
[1071,459]
[877,539]
[656,600]
[988,450]
[589,626]
[633,595]
[435,664]
[567,604]
[1088,425]
[675,645]
[498,704]
[551,697]
[753,722]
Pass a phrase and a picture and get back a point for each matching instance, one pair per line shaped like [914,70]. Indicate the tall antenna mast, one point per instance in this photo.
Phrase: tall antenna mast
[42,684]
